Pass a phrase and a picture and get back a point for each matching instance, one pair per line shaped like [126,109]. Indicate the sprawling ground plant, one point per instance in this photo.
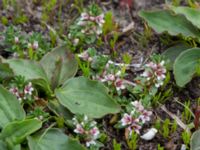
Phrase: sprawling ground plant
[185,58]
[54,76]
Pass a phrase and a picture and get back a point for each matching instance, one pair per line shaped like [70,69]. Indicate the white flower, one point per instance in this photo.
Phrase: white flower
[100,20]
[29,45]
[119,84]
[134,126]
[79,129]
[84,16]
[35,45]
[85,118]
[28,89]
[85,56]
[138,105]
[76,41]
[109,77]
[99,31]
[145,116]
[89,143]
[16,40]
[126,120]
[94,132]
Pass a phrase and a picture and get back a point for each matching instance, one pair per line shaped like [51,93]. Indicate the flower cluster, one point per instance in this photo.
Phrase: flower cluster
[86,19]
[23,94]
[87,29]
[112,77]
[86,129]
[155,73]
[134,119]
[34,46]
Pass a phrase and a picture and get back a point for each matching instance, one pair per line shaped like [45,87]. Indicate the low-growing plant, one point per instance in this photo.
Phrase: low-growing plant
[165,21]
[116,146]
[133,141]
[88,27]
[25,45]
[166,128]
[186,138]
[160,147]
[52,78]
[186,114]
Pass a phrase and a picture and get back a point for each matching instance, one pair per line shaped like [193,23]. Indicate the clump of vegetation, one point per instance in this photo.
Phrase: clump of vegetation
[85,81]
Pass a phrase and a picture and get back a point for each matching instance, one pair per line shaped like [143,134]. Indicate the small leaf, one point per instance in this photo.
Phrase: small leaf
[173,52]
[83,96]
[194,143]
[185,66]
[17,131]
[53,139]
[192,14]
[164,20]
[68,65]
[10,108]
[5,71]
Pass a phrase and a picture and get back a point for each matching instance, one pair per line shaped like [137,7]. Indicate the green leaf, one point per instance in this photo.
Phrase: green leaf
[60,110]
[15,132]
[164,20]
[31,70]
[173,52]
[194,143]
[27,68]
[185,66]
[10,108]
[84,96]
[3,145]
[5,71]
[60,58]
[192,14]
[53,139]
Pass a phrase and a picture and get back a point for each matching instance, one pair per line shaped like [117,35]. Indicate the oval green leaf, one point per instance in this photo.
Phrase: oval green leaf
[173,52]
[59,65]
[192,14]
[10,108]
[164,20]
[53,139]
[185,66]
[194,142]
[31,70]
[84,96]
[27,68]
[17,131]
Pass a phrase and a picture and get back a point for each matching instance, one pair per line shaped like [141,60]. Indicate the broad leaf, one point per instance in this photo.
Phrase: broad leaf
[194,143]
[31,70]
[192,14]
[83,96]
[185,66]
[59,65]
[173,52]
[17,131]
[10,108]
[27,68]
[53,139]
[164,20]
